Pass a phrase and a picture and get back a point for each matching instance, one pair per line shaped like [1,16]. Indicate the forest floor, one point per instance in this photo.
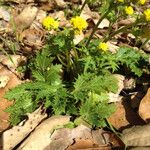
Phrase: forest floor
[74,74]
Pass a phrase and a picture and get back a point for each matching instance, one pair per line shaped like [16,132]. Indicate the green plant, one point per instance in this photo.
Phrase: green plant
[76,79]
[83,94]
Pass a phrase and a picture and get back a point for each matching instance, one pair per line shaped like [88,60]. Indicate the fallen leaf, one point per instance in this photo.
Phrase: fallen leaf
[40,138]
[61,3]
[60,16]
[146,47]
[104,24]
[25,18]
[88,145]
[144,108]
[13,62]
[137,136]
[124,116]
[40,15]
[34,39]
[82,137]
[15,1]
[48,6]
[3,80]
[112,46]
[78,38]
[94,16]
[20,131]
[11,80]
[4,14]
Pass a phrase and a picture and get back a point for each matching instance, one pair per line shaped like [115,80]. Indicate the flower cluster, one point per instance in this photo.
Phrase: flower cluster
[142,2]
[147,14]
[79,24]
[49,23]
[103,46]
[129,10]
[120,1]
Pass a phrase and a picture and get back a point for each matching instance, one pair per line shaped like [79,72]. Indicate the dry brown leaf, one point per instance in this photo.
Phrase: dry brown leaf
[48,6]
[61,3]
[40,15]
[146,47]
[87,145]
[4,14]
[41,137]
[60,16]
[78,38]
[57,139]
[82,137]
[12,62]
[126,21]
[15,1]
[25,18]
[3,80]
[144,108]
[94,16]
[112,46]
[137,136]
[124,116]
[32,38]
[20,131]
[11,80]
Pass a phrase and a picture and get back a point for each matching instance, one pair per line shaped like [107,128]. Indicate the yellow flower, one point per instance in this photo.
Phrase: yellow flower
[147,14]
[120,1]
[49,23]
[129,10]
[103,46]
[79,24]
[142,2]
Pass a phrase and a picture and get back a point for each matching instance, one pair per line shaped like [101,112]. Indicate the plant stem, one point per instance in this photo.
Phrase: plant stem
[119,31]
[83,5]
[99,21]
